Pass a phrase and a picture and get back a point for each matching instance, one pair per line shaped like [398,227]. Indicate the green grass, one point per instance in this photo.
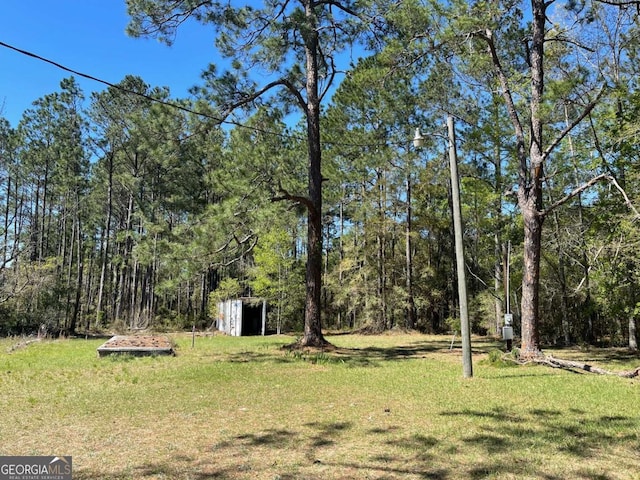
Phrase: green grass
[383,407]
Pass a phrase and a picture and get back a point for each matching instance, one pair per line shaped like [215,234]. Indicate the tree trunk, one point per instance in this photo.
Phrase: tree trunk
[204,290]
[411,307]
[62,254]
[79,279]
[34,234]
[105,243]
[128,272]
[562,278]
[5,242]
[88,295]
[380,323]
[530,191]
[499,279]
[498,272]
[312,315]
[134,298]
[325,270]
[531,282]
[42,229]
[341,248]
[633,339]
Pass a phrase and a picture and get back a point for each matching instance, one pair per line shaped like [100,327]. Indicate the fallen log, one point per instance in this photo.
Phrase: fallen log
[572,365]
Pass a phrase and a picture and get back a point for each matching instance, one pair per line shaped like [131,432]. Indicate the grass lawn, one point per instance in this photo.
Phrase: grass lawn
[379,407]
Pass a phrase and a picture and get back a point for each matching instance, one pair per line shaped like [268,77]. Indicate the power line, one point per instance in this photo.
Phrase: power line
[177,106]
[139,94]
[109,84]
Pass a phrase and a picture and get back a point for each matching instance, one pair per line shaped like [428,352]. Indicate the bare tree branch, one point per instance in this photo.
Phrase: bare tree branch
[561,39]
[611,177]
[587,110]
[620,3]
[165,22]
[627,201]
[284,195]
[488,290]
[589,268]
[338,5]
[242,254]
[576,191]
[603,176]
[487,36]
[248,98]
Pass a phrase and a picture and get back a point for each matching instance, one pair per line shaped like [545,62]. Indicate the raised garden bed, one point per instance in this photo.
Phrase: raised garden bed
[137,345]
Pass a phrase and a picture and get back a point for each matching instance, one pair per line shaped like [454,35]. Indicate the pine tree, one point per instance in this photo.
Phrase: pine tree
[297,44]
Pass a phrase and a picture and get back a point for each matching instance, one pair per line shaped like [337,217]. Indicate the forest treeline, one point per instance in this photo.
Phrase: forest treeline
[130,209]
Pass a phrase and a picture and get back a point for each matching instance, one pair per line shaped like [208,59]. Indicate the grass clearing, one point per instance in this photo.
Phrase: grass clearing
[385,407]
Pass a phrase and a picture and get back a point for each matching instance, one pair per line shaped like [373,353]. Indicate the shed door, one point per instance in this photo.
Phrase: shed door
[235,319]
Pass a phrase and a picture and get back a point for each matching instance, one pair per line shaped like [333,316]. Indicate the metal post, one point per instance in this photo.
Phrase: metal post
[467,367]
[507,330]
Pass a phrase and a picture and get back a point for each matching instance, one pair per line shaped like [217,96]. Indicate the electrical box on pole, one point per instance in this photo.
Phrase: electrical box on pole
[507,331]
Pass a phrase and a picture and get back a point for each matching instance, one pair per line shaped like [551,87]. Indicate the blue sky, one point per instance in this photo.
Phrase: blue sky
[89,36]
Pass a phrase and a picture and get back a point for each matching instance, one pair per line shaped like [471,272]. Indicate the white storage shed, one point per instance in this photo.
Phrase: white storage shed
[243,316]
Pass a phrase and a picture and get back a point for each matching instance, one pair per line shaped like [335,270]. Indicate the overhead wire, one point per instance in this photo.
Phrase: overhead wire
[183,108]
[112,85]
[148,97]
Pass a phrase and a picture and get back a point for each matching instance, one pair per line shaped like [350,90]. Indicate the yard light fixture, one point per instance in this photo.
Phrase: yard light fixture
[418,139]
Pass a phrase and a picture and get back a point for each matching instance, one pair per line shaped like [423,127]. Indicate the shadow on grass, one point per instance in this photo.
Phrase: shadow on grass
[270,437]
[580,435]
[382,461]
[326,433]
[179,468]
[499,443]
[416,349]
[354,357]
[316,440]
[499,434]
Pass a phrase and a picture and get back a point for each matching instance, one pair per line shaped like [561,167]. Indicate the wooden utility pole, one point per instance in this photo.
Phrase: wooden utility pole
[465,332]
